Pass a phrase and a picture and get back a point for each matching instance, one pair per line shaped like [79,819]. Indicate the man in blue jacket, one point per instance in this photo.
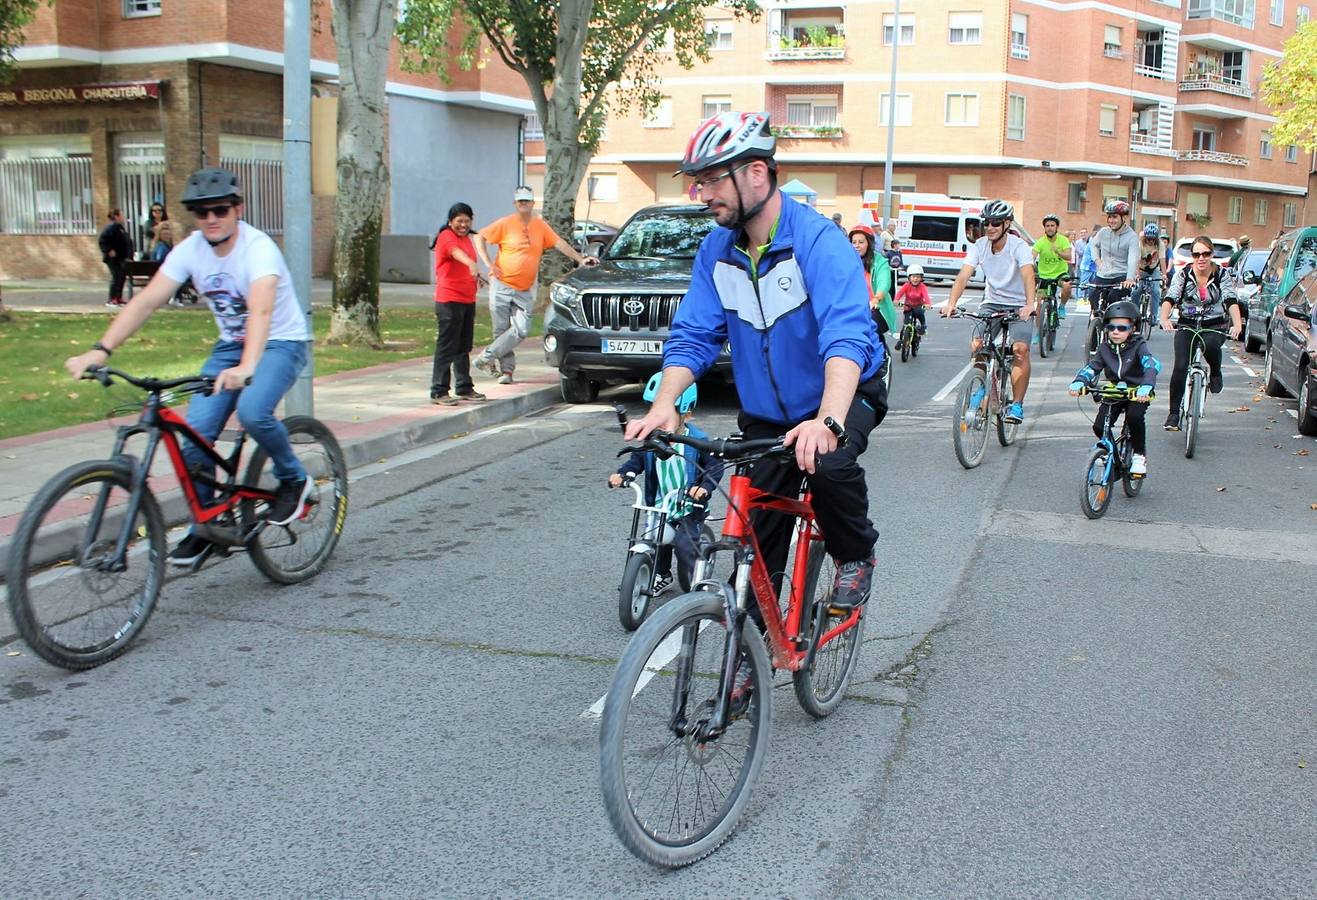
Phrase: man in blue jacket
[784,287]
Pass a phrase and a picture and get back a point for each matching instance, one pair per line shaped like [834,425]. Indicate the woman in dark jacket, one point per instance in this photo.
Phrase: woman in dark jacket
[1205,295]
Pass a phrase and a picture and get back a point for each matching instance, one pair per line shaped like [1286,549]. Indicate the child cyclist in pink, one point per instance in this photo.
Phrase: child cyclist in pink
[913,297]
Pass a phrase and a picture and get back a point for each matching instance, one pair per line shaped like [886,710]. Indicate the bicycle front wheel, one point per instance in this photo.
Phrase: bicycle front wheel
[1193,411]
[1006,431]
[1095,495]
[671,796]
[1044,324]
[820,688]
[301,549]
[636,591]
[73,599]
[1131,483]
[969,425]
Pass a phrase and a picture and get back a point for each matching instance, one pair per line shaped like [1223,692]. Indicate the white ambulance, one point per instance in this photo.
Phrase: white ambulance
[935,231]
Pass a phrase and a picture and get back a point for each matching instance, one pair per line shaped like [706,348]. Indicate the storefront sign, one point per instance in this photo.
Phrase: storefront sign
[82,93]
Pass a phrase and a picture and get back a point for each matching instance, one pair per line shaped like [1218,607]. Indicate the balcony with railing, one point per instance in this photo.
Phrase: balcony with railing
[806,34]
[831,132]
[1232,12]
[1211,156]
[1146,142]
[1019,51]
[1208,80]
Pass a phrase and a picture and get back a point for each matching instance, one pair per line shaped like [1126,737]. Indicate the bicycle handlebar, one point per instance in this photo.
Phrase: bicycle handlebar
[732,448]
[1009,316]
[190,383]
[1109,392]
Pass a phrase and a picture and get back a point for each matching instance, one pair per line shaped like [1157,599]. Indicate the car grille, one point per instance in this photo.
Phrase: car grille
[630,312]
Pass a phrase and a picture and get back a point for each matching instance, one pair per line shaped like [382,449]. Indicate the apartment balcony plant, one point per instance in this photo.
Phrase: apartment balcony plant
[816,42]
[824,132]
[1211,156]
[1209,80]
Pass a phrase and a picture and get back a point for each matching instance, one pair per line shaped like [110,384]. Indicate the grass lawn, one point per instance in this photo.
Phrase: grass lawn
[36,394]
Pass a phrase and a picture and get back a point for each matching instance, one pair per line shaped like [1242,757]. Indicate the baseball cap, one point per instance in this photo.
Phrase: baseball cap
[523,193]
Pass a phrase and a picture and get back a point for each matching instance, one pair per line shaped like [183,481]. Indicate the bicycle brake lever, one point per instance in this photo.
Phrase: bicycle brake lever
[621,415]
[836,428]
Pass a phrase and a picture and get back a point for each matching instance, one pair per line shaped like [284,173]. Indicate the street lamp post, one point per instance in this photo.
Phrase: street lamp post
[297,181]
[891,117]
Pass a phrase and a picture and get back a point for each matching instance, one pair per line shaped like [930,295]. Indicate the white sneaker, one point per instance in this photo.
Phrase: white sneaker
[1138,464]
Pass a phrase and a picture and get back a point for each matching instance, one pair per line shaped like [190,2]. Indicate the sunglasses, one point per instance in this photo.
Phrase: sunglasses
[994,223]
[220,211]
[1120,329]
[1206,254]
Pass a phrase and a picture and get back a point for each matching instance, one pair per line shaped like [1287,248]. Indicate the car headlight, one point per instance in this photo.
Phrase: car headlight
[567,300]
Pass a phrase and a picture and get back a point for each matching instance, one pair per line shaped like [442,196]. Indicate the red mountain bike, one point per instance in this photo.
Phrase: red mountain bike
[685,727]
[88,559]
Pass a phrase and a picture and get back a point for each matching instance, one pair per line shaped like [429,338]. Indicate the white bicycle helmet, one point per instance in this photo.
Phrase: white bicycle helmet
[727,138]
[997,209]
[685,402]
[916,269]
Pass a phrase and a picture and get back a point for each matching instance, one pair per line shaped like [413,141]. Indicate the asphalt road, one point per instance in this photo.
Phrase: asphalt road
[1046,706]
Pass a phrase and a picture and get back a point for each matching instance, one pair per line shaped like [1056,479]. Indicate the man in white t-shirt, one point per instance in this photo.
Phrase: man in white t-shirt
[1008,278]
[262,346]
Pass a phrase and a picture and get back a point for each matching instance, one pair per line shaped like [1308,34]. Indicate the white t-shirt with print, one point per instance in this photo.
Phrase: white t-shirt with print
[225,282]
[1001,271]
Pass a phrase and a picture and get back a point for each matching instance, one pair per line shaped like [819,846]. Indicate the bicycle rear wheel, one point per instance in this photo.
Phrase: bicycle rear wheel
[969,425]
[68,597]
[1095,496]
[672,798]
[299,550]
[1053,324]
[1193,411]
[821,687]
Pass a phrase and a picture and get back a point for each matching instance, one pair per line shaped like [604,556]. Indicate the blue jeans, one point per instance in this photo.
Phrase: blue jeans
[275,373]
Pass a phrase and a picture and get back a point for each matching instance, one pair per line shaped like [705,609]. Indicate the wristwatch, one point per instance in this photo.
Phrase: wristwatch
[104,349]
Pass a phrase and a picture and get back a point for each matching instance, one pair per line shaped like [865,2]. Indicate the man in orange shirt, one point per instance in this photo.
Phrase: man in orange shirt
[522,238]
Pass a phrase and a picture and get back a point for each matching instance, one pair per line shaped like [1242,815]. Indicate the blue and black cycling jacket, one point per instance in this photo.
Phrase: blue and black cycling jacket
[809,303]
[1131,362]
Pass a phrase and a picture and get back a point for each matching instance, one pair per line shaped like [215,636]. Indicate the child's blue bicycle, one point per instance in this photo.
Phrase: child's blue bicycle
[652,530]
[1110,459]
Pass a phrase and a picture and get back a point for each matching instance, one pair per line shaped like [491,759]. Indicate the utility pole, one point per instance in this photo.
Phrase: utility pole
[891,118]
[297,182]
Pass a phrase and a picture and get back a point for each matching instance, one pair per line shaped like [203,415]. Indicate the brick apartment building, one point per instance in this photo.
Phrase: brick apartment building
[117,101]
[1056,105]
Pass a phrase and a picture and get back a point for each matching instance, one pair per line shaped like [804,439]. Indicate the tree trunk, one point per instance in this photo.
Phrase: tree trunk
[363,33]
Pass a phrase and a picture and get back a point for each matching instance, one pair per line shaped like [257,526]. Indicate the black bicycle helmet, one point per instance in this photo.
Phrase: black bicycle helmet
[1052,217]
[1121,309]
[997,209]
[211,183]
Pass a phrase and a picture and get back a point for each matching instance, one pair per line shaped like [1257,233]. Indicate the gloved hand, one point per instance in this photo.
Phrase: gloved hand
[1076,387]
[1143,393]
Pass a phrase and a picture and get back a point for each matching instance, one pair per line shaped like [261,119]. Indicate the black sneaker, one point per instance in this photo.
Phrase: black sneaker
[191,551]
[1172,422]
[472,396]
[851,587]
[289,501]
[1214,382]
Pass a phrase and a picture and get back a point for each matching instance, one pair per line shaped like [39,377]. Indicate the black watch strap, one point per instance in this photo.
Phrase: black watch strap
[101,347]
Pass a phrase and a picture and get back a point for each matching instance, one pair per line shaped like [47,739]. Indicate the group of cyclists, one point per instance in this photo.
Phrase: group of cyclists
[798,303]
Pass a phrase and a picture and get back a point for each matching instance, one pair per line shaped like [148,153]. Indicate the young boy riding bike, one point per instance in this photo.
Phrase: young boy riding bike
[1123,357]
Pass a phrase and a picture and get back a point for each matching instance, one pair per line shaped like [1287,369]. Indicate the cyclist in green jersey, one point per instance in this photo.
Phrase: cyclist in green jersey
[1052,255]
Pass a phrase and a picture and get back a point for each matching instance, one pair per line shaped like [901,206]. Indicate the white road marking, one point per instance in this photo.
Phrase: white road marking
[952,384]
[1239,362]
[669,647]
[1293,413]
[1161,537]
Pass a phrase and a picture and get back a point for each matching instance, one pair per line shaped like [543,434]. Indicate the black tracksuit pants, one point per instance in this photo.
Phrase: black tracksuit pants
[1212,343]
[452,346]
[841,496]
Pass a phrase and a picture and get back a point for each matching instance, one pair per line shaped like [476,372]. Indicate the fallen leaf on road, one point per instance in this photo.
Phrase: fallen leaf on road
[14,653]
[1257,399]
[1220,488]
[1304,452]
[1312,506]
[1302,764]
[1242,409]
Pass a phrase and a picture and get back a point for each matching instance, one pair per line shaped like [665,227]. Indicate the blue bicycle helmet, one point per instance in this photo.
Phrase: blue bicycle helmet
[1151,231]
[685,402]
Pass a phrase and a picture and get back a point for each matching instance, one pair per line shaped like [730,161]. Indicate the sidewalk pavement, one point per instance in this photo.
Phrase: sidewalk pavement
[62,295]
[375,413]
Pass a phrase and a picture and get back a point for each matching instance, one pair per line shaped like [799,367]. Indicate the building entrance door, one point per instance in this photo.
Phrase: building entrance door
[139,180]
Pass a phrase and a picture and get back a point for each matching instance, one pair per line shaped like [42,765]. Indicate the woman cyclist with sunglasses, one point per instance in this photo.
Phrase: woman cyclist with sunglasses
[1205,295]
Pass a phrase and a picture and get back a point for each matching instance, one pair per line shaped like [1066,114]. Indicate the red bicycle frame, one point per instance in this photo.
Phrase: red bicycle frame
[784,634]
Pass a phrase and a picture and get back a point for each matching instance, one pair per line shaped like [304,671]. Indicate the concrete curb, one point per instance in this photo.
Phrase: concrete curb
[365,451]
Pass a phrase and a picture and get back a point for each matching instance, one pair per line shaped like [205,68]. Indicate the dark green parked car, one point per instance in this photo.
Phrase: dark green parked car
[1294,256]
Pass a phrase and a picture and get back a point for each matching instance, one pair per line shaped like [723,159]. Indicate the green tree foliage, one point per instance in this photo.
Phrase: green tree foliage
[582,61]
[1289,88]
[15,15]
